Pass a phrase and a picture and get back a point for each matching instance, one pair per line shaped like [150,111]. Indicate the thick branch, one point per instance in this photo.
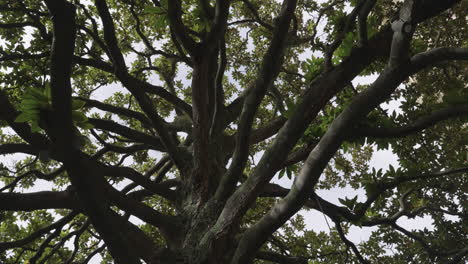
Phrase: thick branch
[418,125]
[11,148]
[316,96]
[37,201]
[9,114]
[180,30]
[270,68]
[167,224]
[393,75]
[220,24]
[84,178]
[109,36]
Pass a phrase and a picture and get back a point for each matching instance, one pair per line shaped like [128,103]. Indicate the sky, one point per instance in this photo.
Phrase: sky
[314,220]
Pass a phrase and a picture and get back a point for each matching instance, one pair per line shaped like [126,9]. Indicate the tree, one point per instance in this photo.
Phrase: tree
[207,103]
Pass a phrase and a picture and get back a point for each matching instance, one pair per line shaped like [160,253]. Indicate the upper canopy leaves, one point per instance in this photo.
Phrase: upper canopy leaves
[186,111]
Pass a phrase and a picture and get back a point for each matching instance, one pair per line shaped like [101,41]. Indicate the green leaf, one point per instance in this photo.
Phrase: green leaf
[38,94]
[153,10]
[288,173]
[350,203]
[291,106]
[48,92]
[371,188]
[79,117]
[23,117]
[371,214]
[455,96]
[35,127]
[85,125]
[77,104]
[29,104]
[281,174]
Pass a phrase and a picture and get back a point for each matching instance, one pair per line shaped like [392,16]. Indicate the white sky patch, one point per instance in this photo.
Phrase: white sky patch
[107,91]
[364,80]
[360,234]
[314,219]
[393,106]
[417,223]
[382,159]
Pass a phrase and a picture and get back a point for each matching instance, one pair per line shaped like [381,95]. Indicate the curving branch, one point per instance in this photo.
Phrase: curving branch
[117,110]
[15,25]
[317,95]
[180,31]
[221,12]
[350,244]
[12,185]
[138,84]
[37,234]
[414,127]
[84,178]
[424,244]
[110,37]
[137,136]
[256,15]
[362,21]
[137,178]
[341,34]
[77,233]
[398,69]
[433,56]
[133,84]
[268,72]
[40,251]
[94,253]
[22,56]
[163,93]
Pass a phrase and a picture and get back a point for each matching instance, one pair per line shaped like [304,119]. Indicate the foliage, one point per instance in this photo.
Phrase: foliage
[215,131]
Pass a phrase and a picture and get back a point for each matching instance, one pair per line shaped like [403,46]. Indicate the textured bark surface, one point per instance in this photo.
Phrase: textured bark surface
[214,188]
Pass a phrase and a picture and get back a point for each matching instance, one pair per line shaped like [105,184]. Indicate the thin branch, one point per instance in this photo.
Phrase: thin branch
[257,17]
[166,223]
[37,234]
[319,157]
[362,22]
[269,70]
[137,136]
[77,233]
[136,177]
[94,253]
[117,110]
[350,244]
[278,258]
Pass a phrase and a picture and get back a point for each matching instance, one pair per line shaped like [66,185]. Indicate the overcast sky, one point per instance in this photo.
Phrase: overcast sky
[314,219]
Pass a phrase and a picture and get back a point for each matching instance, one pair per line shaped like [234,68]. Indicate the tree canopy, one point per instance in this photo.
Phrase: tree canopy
[164,129]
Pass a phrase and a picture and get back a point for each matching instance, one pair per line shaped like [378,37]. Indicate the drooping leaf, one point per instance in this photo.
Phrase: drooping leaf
[79,117]
[77,104]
